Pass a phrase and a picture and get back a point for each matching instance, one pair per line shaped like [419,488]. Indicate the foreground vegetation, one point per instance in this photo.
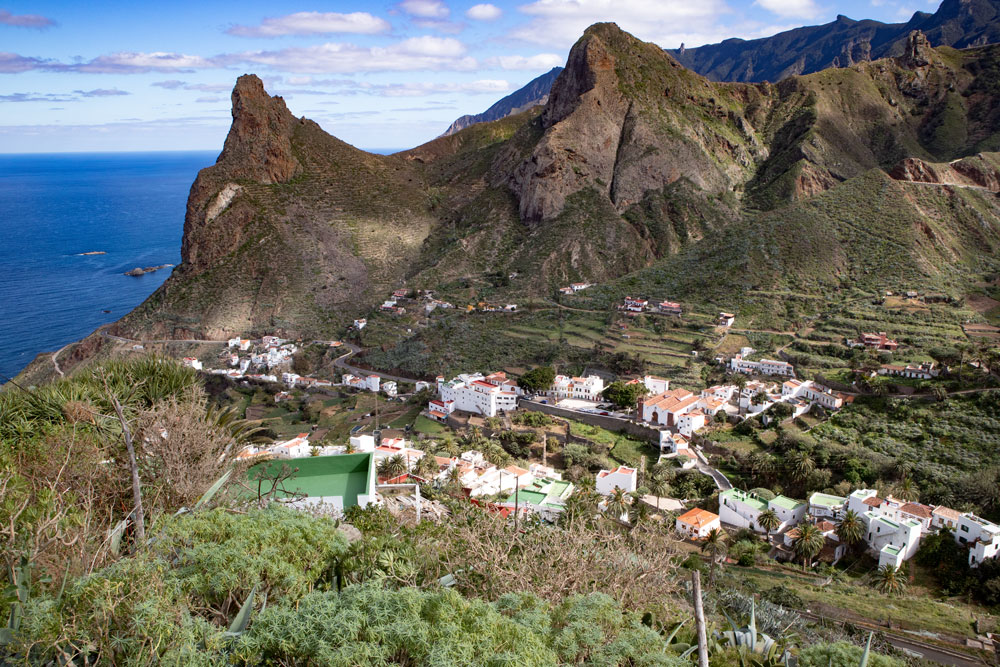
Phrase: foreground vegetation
[121,548]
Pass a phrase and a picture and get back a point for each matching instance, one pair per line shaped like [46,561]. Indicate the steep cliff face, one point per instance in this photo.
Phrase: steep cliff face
[632,160]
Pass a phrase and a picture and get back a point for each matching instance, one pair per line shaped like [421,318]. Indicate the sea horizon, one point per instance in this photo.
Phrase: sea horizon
[127,205]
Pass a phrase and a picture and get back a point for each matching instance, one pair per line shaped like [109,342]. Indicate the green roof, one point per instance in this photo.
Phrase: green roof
[541,492]
[826,500]
[746,498]
[891,549]
[345,475]
[786,502]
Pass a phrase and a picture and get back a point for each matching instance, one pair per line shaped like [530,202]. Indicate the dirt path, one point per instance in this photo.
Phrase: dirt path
[55,359]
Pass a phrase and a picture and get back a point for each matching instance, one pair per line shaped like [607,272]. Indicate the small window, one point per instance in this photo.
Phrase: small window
[965,529]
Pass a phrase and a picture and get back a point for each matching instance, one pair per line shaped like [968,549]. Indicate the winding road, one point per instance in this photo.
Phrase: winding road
[341,362]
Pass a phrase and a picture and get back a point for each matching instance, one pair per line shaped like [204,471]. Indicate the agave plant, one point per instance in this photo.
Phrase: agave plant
[754,648]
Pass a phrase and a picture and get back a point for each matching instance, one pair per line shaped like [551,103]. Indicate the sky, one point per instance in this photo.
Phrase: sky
[144,76]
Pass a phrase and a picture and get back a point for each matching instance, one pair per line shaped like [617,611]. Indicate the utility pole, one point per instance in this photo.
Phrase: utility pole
[699,618]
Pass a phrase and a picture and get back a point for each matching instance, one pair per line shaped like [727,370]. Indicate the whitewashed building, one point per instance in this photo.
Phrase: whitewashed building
[619,478]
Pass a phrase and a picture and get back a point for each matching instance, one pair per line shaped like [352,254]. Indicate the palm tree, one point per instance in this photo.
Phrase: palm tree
[426,467]
[349,448]
[382,469]
[889,580]
[800,465]
[851,529]
[396,466]
[715,546]
[768,520]
[809,543]
[907,490]
[617,503]
[658,487]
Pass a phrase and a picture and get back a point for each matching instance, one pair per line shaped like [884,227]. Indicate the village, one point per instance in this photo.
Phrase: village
[673,420]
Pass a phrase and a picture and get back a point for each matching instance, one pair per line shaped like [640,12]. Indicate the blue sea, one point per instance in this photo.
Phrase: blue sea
[54,207]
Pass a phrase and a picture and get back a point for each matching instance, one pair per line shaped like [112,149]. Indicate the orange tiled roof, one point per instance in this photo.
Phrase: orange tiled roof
[697,517]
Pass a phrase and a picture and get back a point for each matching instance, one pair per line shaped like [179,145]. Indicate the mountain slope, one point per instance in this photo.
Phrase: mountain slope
[532,94]
[842,43]
[634,165]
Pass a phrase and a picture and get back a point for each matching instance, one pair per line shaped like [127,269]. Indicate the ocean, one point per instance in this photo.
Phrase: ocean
[54,207]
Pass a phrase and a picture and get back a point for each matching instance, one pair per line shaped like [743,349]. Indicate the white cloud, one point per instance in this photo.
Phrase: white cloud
[666,22]
[174,84]
[428,9]
[483,12]
[536,62]
[314,23]
[806,9]
[130,62]
[25,20]
[409,89]
[101,92]
[416,53]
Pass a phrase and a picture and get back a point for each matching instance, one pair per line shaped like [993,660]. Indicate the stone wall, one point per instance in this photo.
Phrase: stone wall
[610,423]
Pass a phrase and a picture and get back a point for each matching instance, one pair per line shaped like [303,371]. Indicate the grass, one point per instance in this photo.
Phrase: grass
[429,427]
[859,601]
[624,449]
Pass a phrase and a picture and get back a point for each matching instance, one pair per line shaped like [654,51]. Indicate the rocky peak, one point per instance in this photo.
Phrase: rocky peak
[259,146]
[918,51]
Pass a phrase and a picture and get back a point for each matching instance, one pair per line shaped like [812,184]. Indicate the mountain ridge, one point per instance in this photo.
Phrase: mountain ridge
[533,93]
[841,43]
[633,166]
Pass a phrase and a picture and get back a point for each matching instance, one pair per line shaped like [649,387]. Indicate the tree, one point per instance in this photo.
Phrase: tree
[617,503]
[624,395]
[851,529]
[715,546]
[760,398]
[768,520]
[800,465]
[658,487]
[809,543]
[907,489]
[537,379]
[740,380]
[889,580]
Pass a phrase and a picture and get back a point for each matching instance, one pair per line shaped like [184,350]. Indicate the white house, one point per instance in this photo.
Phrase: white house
[720,392]
[726,319]
[670,307]
[655,385]
[389,387]
[478,394]
[586,389]
[743,509]
[363,443]
[439,409]
[981,536]
[762,367]
[690,423]
[420,385]
[893,541]
[295,448]
[360,324]
[635,305]
[619,478]
[192,362]
[366,383]
[697,523]
[826,506]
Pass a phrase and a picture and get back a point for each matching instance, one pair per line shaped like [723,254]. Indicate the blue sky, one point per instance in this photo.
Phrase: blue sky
[128,76]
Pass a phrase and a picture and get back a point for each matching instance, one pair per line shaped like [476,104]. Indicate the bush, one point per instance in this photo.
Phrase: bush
[842,654]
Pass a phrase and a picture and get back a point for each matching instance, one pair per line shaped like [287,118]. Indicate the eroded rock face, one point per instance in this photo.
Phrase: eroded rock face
[915,169]
[583,120]
[258,148]
[259,145]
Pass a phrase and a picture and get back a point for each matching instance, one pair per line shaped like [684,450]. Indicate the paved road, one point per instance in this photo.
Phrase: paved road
[341,362]
[721,481]
[164,340]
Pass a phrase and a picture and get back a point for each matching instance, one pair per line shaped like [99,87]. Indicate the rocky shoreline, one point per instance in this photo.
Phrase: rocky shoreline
[137,271]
